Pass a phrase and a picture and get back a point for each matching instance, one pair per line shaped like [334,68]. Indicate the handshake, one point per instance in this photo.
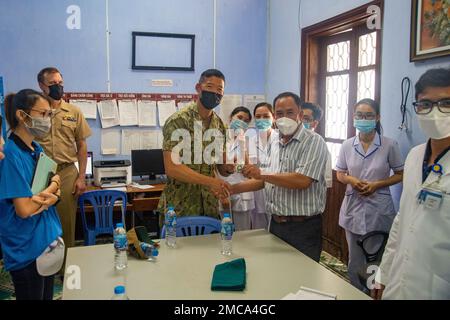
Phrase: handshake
[223,190]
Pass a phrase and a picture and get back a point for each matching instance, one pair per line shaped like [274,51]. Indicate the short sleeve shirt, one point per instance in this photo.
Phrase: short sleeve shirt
[360,214]
[22,240]
[191,199]
[68,127]
[306,154]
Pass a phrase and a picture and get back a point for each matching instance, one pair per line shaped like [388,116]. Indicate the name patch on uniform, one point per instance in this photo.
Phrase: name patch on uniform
[70,118]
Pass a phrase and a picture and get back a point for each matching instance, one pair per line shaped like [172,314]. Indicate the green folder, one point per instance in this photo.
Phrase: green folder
[230,276]
[45,169]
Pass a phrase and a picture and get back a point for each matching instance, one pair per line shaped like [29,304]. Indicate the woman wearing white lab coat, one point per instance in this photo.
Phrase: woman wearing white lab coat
[416,262]
[242,204]
[265,135]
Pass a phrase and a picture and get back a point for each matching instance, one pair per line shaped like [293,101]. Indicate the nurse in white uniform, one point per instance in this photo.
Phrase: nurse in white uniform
[265,135]
[243,204]
[416,262]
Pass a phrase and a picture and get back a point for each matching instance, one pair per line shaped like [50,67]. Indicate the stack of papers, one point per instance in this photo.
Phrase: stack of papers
[309,294]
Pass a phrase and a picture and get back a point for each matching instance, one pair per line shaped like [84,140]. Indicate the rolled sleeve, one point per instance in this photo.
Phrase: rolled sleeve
[170,126]
[312,163]
[395,158]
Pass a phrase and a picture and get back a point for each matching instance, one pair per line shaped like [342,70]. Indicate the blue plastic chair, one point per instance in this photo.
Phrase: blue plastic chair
[195,226]
[102,202]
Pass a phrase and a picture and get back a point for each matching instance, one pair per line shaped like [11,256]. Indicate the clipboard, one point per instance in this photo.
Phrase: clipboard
[45,169]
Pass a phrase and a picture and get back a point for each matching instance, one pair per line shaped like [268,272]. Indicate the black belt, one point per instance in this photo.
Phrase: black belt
[62,166]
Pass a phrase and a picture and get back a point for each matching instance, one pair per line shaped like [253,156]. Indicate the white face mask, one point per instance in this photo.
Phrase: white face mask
[287,126]
[435,125]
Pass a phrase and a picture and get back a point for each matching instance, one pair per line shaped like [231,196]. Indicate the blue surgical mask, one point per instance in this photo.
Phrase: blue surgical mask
[365,126]
[307,125]
[263,124]
[238,124]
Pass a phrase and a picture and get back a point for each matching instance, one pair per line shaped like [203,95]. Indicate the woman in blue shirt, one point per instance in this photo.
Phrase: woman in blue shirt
[29,224]
[365,163]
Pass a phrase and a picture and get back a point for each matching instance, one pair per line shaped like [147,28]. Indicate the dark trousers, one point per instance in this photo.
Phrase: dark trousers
[305,236]
[30,285]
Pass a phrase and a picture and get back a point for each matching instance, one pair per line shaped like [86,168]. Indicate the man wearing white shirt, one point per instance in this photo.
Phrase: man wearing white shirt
[416,261]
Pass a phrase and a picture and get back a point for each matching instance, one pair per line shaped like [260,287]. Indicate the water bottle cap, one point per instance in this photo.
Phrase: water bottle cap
[226,215]
[119,290]
[119,225]
[171,208]
[155,252]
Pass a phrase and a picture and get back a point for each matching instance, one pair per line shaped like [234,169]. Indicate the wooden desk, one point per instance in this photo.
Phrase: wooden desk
[274,269]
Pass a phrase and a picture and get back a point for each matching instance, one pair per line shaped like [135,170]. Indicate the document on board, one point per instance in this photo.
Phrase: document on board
[148,139]
[146,113]
[228,104]
[88,107]
[131,140]
[183,104]
[166,108]
[110,142]
[109,115]
[128,113]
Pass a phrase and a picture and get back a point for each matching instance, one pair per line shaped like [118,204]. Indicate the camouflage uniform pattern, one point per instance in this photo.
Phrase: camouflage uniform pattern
[190,199]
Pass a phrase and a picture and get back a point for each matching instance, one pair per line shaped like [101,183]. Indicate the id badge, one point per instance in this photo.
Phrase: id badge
[432,200]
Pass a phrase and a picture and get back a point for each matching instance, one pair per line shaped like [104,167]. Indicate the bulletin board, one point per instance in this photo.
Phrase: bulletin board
[129,121]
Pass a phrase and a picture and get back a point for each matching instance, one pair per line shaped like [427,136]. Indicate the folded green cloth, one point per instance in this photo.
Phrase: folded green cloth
[229,276]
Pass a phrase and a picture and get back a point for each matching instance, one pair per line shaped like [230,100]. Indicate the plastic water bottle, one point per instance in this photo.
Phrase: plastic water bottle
[120,247]
[119,293]
[150,251]
[171,228]
[227,234]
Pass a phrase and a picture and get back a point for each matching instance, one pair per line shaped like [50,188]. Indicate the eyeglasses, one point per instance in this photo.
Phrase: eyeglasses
[45,114]
[362,115]
[426,106]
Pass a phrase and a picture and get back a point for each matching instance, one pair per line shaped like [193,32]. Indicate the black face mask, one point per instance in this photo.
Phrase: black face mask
[56,92]
[210,100]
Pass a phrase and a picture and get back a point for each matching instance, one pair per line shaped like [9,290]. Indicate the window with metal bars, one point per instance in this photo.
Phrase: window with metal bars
[349,71]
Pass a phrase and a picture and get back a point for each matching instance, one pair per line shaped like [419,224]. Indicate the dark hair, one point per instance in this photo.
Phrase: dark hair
[23,100]
[433,78]
[263,105]
[292,95]
[375,106]
[49,70]
[315,108]
[211,73]
[241,109]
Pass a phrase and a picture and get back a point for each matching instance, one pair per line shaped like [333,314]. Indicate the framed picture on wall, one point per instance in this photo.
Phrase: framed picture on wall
[430,29]
[163,51]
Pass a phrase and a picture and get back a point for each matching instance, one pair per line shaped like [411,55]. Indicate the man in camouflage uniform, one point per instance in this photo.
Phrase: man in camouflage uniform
[192,188]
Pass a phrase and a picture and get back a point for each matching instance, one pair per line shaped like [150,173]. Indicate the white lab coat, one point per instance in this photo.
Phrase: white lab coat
[416,262]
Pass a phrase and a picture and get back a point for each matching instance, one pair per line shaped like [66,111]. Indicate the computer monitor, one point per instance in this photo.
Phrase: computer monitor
[147,163]
[89,165]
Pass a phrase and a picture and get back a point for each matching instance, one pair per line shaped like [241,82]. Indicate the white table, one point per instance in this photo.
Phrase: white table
[274,269]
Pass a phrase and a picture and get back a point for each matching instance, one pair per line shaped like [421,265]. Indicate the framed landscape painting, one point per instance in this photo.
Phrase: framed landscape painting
[430,29]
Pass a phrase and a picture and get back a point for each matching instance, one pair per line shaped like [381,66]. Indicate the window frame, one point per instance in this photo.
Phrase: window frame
[313,38]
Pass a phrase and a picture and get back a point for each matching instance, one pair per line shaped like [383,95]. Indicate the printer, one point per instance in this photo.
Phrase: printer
[113,173]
